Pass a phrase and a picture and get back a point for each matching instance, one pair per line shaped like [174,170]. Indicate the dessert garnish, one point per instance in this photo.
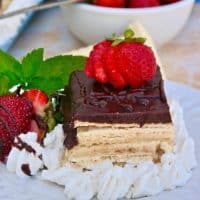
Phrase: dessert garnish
[33,71]
[43,120]
[132,3]
[169,1]
[15,118]
[110,3]
[24,108]
[122,62]
[39,100]
[143,3]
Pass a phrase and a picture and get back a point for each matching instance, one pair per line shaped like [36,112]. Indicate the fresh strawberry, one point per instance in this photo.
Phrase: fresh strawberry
[5,141]
[16,113]
[43,120]
[115,78]
[110,3]
[39,100]
[136,62]
[168,1]
[95,66]
[35,128]
[19,109]
[10,122]
[124,62]
[142,3]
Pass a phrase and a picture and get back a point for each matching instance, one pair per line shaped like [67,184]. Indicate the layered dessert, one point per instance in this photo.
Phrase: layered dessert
[103,121]
[119,125]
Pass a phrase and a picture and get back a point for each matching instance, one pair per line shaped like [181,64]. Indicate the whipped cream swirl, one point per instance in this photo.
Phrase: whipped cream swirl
[53,148]
[28,157]
[25,157]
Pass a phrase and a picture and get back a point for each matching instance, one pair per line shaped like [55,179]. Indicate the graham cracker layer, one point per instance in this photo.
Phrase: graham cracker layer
[120,145]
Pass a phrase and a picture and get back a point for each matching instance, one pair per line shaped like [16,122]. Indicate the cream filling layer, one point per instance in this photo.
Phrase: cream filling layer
[78,123]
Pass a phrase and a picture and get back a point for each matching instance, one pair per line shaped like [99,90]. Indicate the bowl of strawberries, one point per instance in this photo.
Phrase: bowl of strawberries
[93,20]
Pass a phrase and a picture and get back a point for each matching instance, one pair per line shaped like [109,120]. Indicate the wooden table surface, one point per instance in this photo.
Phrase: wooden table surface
[181,56]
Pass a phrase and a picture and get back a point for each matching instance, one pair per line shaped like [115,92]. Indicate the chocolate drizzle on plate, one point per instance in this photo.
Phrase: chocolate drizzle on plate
[89,101]
[26,169]
[20,144]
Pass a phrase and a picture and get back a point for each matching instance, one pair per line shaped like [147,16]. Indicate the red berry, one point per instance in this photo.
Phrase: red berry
[127,64]
[39,100]
[168,1]
[20,109]
[5,142]
[35,128]
[143,3]
[110,3]
[115,78]
[10,121]
[95,65]
[16,113]
[122,62]
[136,63]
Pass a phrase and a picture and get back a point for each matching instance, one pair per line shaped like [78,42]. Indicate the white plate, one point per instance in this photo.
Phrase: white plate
[15,188]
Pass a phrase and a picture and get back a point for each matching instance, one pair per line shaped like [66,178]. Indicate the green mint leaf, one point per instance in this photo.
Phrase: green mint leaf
[52,67]
[61,66]
[33,72]
[4,84]
[9,63]
[9,68]
[30,63]
[12,77]
[54,73]
[48,85]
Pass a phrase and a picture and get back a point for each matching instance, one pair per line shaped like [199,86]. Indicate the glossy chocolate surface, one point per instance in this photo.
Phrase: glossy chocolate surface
[89,101]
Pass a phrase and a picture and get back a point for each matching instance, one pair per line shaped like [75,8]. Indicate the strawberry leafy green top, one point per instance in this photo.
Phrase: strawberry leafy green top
[127,37]
[33,71]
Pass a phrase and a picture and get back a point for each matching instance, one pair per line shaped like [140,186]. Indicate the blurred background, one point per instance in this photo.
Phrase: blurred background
[175,27]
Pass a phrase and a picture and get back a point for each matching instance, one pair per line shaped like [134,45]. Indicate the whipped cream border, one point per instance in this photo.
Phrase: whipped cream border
[107,181]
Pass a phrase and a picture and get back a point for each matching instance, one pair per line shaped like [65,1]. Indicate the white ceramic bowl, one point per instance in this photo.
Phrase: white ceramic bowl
[91,23]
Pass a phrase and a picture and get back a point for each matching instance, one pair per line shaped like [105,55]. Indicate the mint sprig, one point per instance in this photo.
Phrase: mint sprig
[128,37]
[4,84]
[30,63]
[33,71]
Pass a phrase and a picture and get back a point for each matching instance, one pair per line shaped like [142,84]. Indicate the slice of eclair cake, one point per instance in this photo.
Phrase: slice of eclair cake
[102,122]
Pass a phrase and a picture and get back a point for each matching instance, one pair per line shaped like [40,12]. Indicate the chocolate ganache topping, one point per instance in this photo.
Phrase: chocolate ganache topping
[89,101]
